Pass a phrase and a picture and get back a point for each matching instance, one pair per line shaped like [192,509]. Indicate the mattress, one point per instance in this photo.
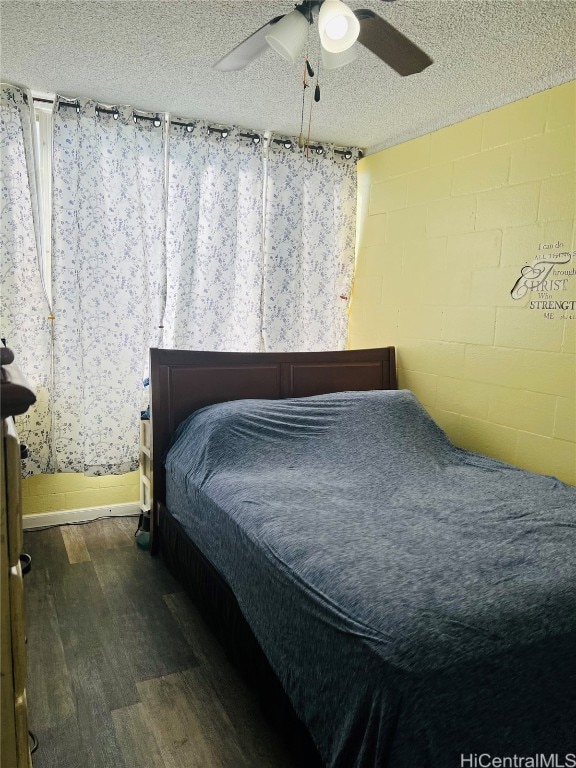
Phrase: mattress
[416,601]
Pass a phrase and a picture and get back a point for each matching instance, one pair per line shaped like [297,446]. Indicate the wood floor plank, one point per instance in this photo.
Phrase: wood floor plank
[113,533]
[138,568]
[189,721]
[262,746]
[146,628]
[75,545]
[46,547]
[90,637]
[60,745]
[136,738]
[96,726]
[50,697]
[128,525]
[85,740]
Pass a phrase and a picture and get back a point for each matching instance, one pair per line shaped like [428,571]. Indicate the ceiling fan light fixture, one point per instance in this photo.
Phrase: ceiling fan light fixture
[288,36]
[338,26]
[337,60]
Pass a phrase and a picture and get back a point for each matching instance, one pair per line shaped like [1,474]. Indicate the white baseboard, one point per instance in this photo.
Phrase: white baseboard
[79,515]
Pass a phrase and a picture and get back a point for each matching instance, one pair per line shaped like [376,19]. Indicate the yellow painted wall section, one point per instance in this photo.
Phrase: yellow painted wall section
[54,493]
[446,223]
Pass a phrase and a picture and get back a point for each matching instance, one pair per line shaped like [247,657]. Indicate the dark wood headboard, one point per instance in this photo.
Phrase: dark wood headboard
[183,381]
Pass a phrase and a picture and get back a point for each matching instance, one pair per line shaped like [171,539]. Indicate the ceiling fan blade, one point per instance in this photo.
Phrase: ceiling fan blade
[248,50]
[390,45]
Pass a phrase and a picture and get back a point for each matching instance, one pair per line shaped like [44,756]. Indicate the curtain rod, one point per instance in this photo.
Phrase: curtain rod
[346,153]
[156,119]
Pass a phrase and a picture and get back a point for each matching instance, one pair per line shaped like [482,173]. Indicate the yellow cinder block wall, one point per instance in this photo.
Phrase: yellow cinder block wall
[446,222]
[54,493]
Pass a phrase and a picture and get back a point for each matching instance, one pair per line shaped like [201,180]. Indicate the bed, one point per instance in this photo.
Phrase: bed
[401,603]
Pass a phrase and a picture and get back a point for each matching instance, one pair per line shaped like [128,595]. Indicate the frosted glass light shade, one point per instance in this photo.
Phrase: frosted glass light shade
[337,60]
[337,25]
[289,35]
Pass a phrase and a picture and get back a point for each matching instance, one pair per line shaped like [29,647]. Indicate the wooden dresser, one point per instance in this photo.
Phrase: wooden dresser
[15,398]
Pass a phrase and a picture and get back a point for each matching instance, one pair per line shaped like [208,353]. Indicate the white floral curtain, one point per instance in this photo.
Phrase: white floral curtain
[107,268]
[213,239]
[25,311]
[200,239]
[309,246]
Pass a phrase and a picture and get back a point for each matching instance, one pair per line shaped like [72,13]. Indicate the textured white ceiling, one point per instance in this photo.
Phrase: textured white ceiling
[157,55]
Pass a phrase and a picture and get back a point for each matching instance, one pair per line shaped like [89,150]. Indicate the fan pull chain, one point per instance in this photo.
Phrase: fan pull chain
[316,99]
[309,127]
[307,70]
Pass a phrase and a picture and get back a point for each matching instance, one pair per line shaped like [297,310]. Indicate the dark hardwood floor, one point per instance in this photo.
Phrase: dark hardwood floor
[122,671]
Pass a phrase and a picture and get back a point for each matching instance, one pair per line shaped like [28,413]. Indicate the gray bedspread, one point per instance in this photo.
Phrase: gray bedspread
[417,601]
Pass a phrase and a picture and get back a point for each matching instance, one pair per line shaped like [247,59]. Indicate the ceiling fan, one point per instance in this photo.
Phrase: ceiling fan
[339,27]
